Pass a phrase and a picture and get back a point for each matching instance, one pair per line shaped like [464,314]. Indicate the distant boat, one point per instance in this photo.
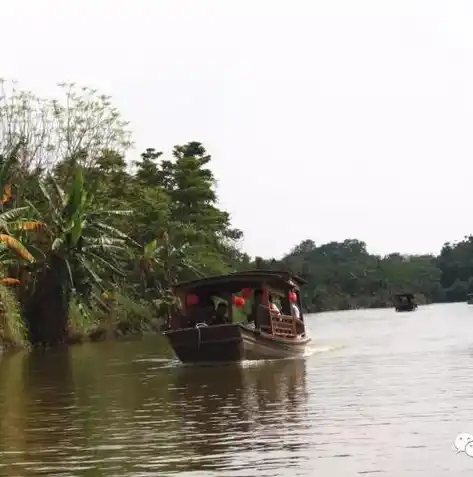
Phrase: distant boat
[404,302]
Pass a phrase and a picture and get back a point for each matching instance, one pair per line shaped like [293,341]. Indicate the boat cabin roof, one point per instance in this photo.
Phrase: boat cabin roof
[234,282]
[407,295]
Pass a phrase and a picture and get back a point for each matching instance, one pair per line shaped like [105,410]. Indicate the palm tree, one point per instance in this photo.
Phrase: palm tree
[82,253]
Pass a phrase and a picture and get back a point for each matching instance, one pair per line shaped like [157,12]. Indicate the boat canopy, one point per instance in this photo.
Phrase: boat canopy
[234,282]
[406,295]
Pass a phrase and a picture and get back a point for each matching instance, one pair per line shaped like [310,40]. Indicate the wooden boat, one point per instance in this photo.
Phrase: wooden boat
[252,330]
[404,302]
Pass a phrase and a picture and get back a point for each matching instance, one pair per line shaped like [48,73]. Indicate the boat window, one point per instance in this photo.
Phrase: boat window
[200,311]
[252,304]
[285,305]
[206,307]
[240,314]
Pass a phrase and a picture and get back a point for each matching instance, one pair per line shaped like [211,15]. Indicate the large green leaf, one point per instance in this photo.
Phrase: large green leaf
[59,192]
[104,264]
[76,193]
[14,214]
[110,213]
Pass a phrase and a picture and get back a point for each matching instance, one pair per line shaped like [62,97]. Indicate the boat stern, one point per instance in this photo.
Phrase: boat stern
[206,343]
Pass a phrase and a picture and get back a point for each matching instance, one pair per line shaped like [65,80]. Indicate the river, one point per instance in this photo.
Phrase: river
[381,393]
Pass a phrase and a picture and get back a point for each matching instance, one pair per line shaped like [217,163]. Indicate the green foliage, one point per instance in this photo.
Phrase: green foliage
[456,265]
[12,327]
[343,275]
[99,227]
[80,317]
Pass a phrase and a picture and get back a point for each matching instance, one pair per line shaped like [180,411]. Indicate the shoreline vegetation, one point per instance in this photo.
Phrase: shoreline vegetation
[90,244]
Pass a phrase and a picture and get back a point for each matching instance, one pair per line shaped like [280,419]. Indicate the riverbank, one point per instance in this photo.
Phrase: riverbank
[122,330]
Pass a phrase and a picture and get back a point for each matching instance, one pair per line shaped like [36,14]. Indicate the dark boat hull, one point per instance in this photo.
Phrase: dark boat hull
[234,342]
[406,308]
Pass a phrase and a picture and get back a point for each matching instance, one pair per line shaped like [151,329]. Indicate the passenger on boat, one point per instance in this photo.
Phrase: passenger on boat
[202,312]
[295,312]
[219,317]
[272,307]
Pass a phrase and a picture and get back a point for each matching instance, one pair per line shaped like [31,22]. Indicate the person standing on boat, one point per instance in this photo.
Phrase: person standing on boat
[295,312]
[272,307]
[220,315]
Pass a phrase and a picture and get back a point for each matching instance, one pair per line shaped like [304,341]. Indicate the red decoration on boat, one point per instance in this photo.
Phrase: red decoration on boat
[192,299]
[246,292]
[292,297]
[238,301]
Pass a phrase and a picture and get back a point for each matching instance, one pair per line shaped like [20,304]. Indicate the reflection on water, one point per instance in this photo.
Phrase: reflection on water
[379,392]
[110,410]
[230,411]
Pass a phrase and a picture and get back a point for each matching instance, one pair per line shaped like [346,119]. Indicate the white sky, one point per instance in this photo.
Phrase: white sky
[326,119]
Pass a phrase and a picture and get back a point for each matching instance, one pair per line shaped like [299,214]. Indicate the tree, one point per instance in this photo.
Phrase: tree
[344,275]
[82,254]
[456,266]
[82,123]
[191,187]
[190,210]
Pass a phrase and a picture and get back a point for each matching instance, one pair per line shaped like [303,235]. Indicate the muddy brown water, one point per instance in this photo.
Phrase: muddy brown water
[379,393]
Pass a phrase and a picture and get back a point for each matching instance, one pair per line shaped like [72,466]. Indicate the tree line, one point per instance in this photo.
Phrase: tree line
[344,275]
[90,244]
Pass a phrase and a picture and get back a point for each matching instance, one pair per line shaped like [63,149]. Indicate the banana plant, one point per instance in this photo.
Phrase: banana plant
[13,253]
[83,253]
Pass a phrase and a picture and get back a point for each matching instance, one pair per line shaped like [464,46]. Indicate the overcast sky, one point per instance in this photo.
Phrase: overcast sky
[326,119]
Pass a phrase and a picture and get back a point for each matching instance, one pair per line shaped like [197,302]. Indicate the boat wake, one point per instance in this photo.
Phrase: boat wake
[311,350]
[314,349]
[152,360]
[159,363]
